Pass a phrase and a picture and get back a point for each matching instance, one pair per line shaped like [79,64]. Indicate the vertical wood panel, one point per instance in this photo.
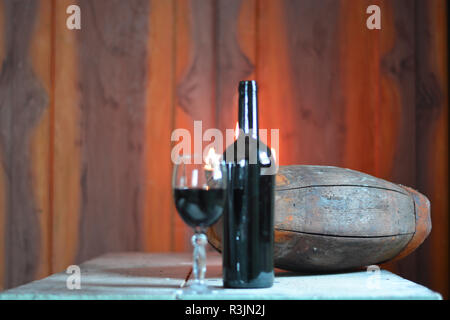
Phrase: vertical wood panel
[183,27]
[432,137]
[387,111]
[66,164]
[216,62]
[396,150]
[40,52]
[297,70]
[3,176]
[195,80]
[210,64]
[195,91]
[23,139]
[159,208]
[360,76]
[113,51]
[235,21]
[399,66]
[439,57]
[273,73]
[373,119]
[374,101]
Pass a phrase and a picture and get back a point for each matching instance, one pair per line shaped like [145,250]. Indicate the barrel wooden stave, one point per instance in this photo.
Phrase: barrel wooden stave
[344,211]
[318,253]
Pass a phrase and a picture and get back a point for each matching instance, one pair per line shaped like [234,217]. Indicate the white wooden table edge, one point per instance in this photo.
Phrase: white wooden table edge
[153,276]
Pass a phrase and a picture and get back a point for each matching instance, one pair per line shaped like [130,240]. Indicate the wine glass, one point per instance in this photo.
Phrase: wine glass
[199,191]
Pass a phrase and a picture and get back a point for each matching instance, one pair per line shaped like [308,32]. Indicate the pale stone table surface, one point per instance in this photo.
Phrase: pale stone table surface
[159,276]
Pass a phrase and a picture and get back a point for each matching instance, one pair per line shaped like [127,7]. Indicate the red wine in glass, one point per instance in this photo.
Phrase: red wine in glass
[200,208]
[199,191]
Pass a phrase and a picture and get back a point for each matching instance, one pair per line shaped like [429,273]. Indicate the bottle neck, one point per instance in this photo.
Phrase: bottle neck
[248,108]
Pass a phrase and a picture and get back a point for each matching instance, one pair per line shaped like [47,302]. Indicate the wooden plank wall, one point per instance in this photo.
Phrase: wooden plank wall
[24,140]
[86,115]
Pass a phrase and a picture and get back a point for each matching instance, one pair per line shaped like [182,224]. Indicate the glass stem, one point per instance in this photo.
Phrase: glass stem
[199,241]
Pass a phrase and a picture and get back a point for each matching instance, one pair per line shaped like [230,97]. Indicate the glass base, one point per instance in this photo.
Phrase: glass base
[195,289]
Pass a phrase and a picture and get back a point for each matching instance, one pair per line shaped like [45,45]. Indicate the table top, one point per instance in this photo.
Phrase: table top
[136,275]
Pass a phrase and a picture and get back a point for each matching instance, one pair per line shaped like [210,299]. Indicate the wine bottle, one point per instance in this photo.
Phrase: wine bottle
[248,220]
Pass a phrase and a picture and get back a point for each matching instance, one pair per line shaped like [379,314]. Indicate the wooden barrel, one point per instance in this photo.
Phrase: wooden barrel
[336,219]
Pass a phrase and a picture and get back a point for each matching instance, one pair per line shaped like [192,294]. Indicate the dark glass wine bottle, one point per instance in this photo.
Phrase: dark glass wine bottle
[249,216]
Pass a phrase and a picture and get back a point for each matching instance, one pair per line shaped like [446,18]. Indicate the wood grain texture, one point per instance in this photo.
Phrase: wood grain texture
[422,219]
[273,74]
[297,72]
[80,145]
[217,63]
[331,176]
[182,119]
[432,138]
[315,253]
[66,157]
[153,276]
[40,143]
[195,92]
[23,102]
[210,63]
[113,46]
[359,59]
[299,251]
[330,219]
[345,210]
[232,65]
[3,185]
[397,69]
[394,157]
[158,206]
